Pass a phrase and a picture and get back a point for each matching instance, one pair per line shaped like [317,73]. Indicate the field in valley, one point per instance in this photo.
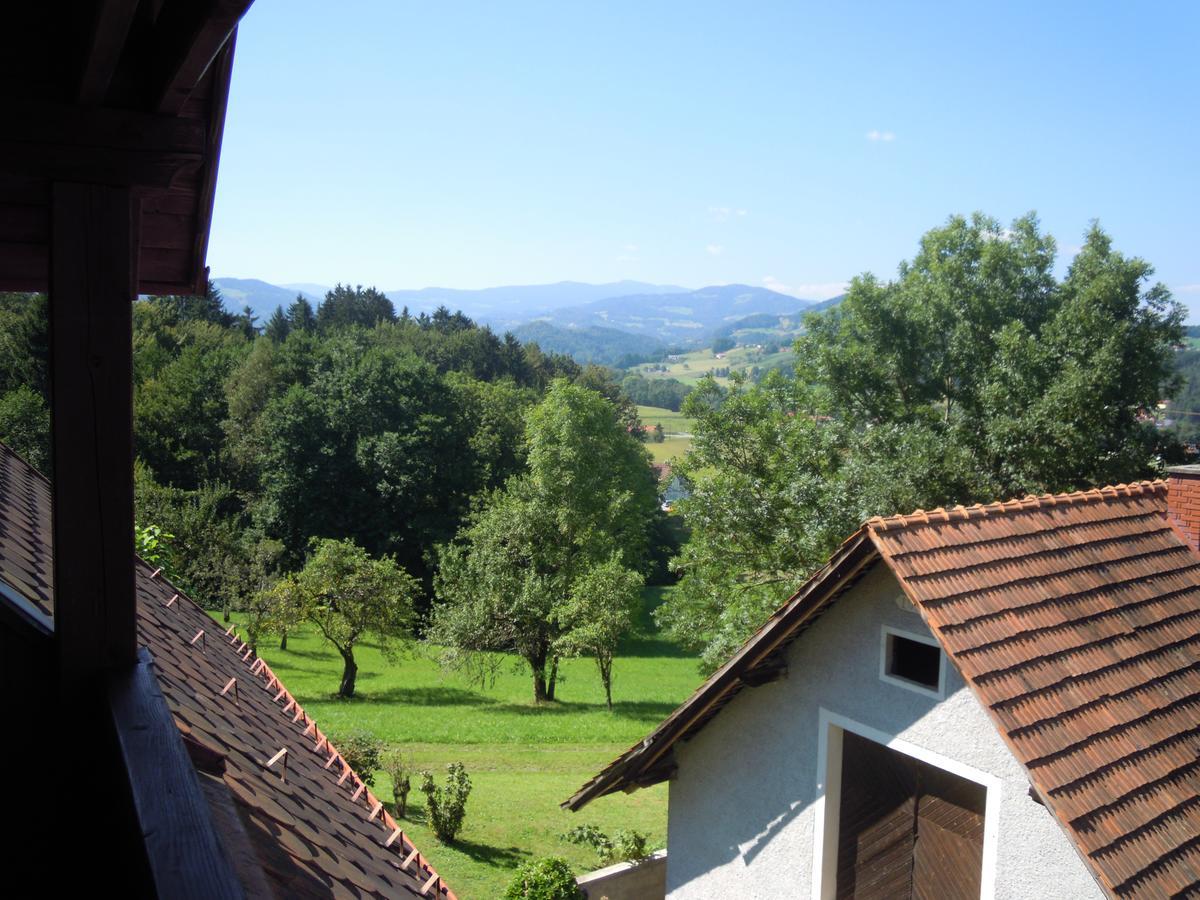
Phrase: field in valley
[691,367]
[523,760]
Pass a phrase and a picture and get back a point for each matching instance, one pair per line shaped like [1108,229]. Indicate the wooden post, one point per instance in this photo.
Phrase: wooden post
[93,279]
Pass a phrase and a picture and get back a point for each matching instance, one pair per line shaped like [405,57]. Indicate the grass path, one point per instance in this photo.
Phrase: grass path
[523,760]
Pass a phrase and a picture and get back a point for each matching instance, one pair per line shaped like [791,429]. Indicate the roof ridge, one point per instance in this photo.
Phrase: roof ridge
[1015,505]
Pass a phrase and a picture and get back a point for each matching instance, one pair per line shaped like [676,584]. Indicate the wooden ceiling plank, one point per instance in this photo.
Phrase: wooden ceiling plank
[109,32]
[32,121]
[187,38]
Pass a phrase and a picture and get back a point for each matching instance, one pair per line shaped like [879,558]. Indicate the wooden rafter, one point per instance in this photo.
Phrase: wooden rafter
[187,38]
[107,40]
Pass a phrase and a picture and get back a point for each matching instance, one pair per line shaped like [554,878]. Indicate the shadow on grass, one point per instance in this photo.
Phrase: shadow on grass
[432,696]
[630,709]
[499,857]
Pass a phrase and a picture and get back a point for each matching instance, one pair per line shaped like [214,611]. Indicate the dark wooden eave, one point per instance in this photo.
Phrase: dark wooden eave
[126,93]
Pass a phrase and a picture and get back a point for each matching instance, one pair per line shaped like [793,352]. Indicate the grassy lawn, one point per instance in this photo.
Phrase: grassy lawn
[669,448]
[691,367]
[523,760]
[672,422]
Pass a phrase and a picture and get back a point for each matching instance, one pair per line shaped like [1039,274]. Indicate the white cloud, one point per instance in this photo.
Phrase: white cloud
[714,249]
[1187,289]
[725,213]
[813,291]
[821,290]
[885,136]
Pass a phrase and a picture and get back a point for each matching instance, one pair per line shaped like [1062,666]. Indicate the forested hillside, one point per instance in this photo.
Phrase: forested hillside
[342,420]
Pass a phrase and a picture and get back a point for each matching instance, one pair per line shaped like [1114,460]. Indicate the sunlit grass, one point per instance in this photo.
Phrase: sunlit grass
[523,759]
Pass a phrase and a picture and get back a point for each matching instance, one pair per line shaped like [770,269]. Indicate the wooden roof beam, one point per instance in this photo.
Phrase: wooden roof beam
[98,146]
[187,38]
[106,43]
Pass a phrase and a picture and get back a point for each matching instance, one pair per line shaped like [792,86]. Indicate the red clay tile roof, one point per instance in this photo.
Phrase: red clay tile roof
[1075,620]
[315,829]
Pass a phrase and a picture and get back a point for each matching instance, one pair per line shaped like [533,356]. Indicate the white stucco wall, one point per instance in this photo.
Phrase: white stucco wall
[742,804]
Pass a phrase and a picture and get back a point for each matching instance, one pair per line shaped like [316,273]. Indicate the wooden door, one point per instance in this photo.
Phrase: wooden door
[876,828]
[906,829]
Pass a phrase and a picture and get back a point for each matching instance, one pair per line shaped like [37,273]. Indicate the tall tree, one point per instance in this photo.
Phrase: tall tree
[346,305]
[588,497]
[278,326]
[973,376]
[300,315]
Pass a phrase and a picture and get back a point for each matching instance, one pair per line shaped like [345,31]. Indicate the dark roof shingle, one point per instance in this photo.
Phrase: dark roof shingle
[315,829]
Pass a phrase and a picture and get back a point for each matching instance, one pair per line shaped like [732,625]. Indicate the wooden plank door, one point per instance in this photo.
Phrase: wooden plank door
[877,822]
[948,852]
[906,829]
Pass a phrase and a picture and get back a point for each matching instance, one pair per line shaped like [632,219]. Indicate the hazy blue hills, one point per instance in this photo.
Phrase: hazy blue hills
[506,306]
[592,344]
[602,323]
[501,307]
[687,319]
[260,296]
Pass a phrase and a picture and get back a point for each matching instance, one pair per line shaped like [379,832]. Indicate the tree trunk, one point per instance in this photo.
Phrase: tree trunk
[537,665]
[606,677]
[553,679]
[283,640]
[225,612]
[349,673]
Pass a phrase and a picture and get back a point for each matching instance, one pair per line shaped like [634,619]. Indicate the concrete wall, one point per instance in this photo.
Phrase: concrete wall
[645,880]
[743,806]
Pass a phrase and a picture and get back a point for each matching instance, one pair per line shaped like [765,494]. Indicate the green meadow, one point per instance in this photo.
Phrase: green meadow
[523,759]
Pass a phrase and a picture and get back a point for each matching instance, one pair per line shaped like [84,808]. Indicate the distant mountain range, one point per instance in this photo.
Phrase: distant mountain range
[680,319]
[501,307]
[592,322]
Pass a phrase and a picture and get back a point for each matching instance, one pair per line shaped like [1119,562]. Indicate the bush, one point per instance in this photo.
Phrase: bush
[363,751]
[447,805]
[397,769]
[544,879]
[624,846]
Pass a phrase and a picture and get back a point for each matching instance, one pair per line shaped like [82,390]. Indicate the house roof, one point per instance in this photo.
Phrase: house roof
[1075,620]
[302,824]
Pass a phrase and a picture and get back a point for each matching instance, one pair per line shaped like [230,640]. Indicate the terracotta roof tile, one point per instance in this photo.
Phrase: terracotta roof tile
[1075,620]
[310,823]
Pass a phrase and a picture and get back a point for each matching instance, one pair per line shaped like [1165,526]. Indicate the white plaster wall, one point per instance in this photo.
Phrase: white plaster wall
[741,813]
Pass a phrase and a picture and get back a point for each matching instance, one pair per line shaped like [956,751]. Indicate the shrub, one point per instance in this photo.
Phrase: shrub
[397,769]
[624,846]
[544,879]
[363,751]
[447,805]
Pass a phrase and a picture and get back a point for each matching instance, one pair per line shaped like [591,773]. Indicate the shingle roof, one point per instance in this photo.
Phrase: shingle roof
[25,531]
[1075,620]
[315,829]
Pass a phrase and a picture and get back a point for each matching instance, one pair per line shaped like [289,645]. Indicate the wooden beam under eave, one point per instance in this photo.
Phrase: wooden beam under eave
[93,278]
[187,38]
[109,32]
[222,72]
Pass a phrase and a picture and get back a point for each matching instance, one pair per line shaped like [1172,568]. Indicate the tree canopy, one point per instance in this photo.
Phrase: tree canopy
[517,577]
[975,375]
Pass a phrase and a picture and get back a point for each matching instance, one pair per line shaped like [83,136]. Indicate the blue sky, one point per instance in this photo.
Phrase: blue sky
[783,144]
